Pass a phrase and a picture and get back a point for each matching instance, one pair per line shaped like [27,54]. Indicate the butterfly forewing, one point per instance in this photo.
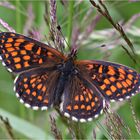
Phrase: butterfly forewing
[115,81]
[36,88]
[81,101]
[20,53]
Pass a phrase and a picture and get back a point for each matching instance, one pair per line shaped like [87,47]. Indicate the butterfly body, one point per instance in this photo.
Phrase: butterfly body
[66,70]
[46,78]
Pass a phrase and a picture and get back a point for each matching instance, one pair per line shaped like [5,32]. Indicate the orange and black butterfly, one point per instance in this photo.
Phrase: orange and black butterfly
[46,78]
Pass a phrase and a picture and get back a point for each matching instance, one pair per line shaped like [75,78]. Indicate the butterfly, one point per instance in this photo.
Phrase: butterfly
[46,78]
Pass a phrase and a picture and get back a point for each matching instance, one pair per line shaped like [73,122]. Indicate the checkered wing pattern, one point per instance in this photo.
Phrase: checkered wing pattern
[114,81]
[36,88]
[81,101]
[19,53]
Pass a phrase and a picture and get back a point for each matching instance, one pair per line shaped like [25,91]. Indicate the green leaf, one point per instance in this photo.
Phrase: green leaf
[24,127]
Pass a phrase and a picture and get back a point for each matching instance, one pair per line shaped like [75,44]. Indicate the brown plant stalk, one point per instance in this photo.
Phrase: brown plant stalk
[57,134]
[8,127]
[55,33]
[103,11]
[137,122]
[115,125]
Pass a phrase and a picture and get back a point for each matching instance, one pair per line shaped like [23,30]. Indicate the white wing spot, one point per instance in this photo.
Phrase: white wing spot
[121,99]
[61,106]
[128,97]
[96,116]
[44,108]
[27,105]
[89,119]
[35,107]
[21,101]
[67,114]
[82,120]
[112,100]
[74,118]
[16,79]
[14,88]
[3,64]
[132,94]
[104,105]
[101,112]
[17,95]
[9,69]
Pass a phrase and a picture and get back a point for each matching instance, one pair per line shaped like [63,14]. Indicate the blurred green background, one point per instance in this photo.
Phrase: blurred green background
[36,124]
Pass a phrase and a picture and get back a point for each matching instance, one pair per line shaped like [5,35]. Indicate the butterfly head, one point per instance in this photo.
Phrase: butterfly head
[67,67]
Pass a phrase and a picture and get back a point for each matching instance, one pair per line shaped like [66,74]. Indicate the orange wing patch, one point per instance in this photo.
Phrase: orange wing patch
[29,47]
[83,104]
[20,53]
[114,81]
[32,89]
[20,40]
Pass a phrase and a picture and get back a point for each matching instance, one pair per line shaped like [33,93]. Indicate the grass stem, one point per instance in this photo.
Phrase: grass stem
[18,16]
[70,20]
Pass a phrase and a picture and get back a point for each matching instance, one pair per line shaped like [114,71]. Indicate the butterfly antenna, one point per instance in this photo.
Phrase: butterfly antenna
[73,51]
[59,29]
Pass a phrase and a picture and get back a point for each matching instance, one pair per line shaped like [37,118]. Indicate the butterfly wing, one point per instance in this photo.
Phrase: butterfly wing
[20,53]
[114,81]
[80,100]
[36,88]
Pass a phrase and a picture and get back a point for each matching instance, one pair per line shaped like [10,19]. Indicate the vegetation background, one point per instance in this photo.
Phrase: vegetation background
[99,40]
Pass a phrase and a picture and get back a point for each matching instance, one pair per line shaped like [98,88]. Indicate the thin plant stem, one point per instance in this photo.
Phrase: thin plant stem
[7,127]
[104,130]
[103,10]
[70,21]
[18,16]
[137,122]
[39,12]
[54,129]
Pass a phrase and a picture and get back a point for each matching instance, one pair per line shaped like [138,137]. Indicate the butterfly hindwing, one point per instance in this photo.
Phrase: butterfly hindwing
[115,81]
[81,101]
[36,88]
[19,53]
